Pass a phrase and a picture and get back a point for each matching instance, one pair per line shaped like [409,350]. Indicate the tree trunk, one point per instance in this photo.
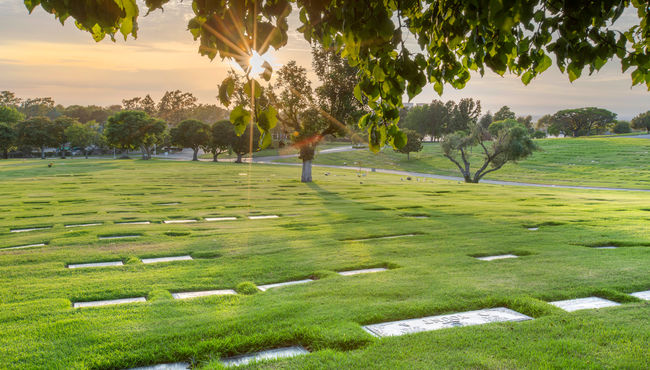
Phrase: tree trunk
[408,156]
[62,153]
[306,171]
[238,158]
[195,157]
[5,154]
[42,152]
[214,157]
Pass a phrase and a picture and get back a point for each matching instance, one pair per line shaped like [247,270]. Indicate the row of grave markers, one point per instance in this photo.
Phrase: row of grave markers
[208,219]
[430,323]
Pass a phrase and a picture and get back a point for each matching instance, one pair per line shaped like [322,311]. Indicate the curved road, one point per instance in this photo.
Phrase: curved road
[187,155]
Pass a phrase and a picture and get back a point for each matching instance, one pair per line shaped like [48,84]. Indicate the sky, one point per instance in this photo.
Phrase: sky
[39,57]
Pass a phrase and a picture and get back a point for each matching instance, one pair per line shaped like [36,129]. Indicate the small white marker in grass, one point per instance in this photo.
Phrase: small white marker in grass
[286,283]
[571,305]
[167,204]
[179,221]
[262,217]
[645,295]
[133,223]
[606,247]
[220,218]
[533,228]
[499,257]
[30,229]
[174,366]
[108,302]
[166,259]
[96,264]
[206,293]
[24,246]
[271,354]
[83,225]
[364,271]
[486,316]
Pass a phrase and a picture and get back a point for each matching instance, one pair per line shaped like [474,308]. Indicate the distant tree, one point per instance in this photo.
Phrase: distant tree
[81,136]
[464,115]
[538,134]
[504,113]
[621,127]
[10,115]
[7,138]
[208,113]
[191,133]
[510,142]
[145,104]
[416,119]
[222,134]
[133,129]
[413,143]
[305,124]
[38,132]
[9,99]
[642,121]
[60,124]
[581,121]
[338,79]
[88,113]
[38,107]
[176,106]
[486,120]
[526,121]
[243,144]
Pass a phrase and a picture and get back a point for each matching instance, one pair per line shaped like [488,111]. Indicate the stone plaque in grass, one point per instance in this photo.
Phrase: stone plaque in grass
[111,237]
[24,246]
[486,316]
[645,295]
[571,305]
[95,264]
[30,229]
[108,302]
[179,221]
[166,259]
[262,217]
[286,283]
[497,257]
[174,366]
[271,354]
[205,293]
[362,271]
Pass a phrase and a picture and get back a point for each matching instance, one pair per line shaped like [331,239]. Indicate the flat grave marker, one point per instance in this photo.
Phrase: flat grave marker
[533,228]
[571,305]
[174,366]
[606,247]
[84,225]
[362,271]
[133,223]
[108,302]
[205,293]
[479,317]
[645,295]
[271,354]
[262,217]
[167,204]
[266,287]
[24,246]
[166,259]
[498,257]
[220,218]
[95,264]
[30,229]
[179,221]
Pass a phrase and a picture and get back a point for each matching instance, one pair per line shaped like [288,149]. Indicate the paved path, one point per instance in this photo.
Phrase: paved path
[452,178]
[644,136]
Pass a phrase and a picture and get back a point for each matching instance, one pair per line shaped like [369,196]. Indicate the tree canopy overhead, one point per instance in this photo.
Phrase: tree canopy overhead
[454,38]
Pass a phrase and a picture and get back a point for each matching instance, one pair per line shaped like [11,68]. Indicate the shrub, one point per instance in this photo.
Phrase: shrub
[622,127]
[246,288]
[539,134]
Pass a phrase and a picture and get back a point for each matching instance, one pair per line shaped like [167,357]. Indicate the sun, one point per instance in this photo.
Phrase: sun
[256,62]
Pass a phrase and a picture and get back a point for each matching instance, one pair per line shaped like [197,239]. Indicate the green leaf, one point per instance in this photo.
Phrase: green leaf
[526,78]
[268,71]
[226,89]
[357,93]
[399,140]
[253,86]
[240,117]
[543,64]
[267,119]
[437,86]
[265,140]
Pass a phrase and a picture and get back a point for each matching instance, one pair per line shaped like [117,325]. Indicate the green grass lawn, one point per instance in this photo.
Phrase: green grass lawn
[433,272]
[607,162]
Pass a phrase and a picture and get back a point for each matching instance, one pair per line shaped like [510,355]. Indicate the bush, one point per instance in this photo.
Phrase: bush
[246,288]
[539,134]
[622,127]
